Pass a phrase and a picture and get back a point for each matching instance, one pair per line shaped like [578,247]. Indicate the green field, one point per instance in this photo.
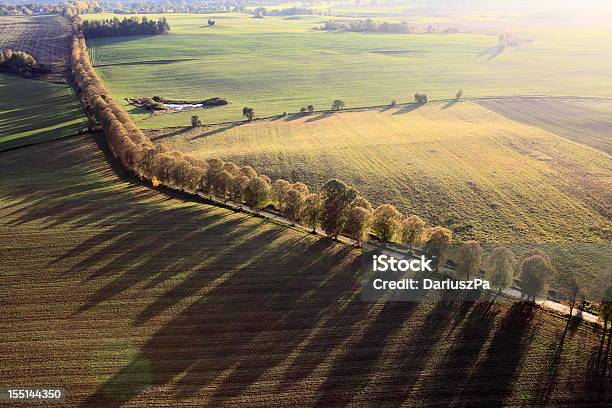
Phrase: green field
[129,297]
[277,65]
[34,111]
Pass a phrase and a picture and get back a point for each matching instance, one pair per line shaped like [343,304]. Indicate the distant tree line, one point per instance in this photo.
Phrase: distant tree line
[291,11]
[368,25]
[126,27]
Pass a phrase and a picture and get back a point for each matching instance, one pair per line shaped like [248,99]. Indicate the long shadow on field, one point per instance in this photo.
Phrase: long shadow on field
[247,321]
[322,116]
[492,52]
[491,382]
[150,62]
[226,308]
[351,370]
[555,360]
[217,131]
[455,368]
[407,108]
[450,104]
[419,349]
[596,390]
[237,297]
[61,191]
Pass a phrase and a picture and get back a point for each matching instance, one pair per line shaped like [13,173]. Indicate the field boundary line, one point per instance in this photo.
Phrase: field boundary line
[373,107]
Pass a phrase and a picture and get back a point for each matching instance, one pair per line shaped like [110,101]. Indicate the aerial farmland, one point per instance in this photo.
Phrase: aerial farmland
[196,199]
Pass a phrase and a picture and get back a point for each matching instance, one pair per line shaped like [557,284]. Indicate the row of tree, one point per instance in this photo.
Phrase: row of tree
[368,25]
[126,27]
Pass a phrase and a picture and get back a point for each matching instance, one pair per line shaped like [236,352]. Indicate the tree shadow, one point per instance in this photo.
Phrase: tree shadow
[458,364]
[224,308]
[218,130]
[450,104]
[493,379]
[387,108]
[286,298]
[492,52]
[352,369]
[322,116]
[407,108]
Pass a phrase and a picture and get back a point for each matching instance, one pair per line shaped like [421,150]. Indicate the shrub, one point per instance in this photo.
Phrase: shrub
[196,121]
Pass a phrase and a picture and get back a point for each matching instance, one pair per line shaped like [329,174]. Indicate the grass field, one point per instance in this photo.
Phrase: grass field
[278,65]
[586,121]
[458,165]
[128,297]
[34,111]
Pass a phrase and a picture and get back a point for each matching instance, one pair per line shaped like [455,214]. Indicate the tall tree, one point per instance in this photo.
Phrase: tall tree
[257,192]
[313,210]
[412,230]
[338,197]
[279,189]
[386,222]
[536,271]
[501,269]
[338,104]
[238,188]
[294,204]
[436,244]
[223,183]
[358,223]
[248,113]
[470,254]
[215,166]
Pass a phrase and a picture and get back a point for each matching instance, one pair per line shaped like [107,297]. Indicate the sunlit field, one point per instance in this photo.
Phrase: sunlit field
[279,64]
